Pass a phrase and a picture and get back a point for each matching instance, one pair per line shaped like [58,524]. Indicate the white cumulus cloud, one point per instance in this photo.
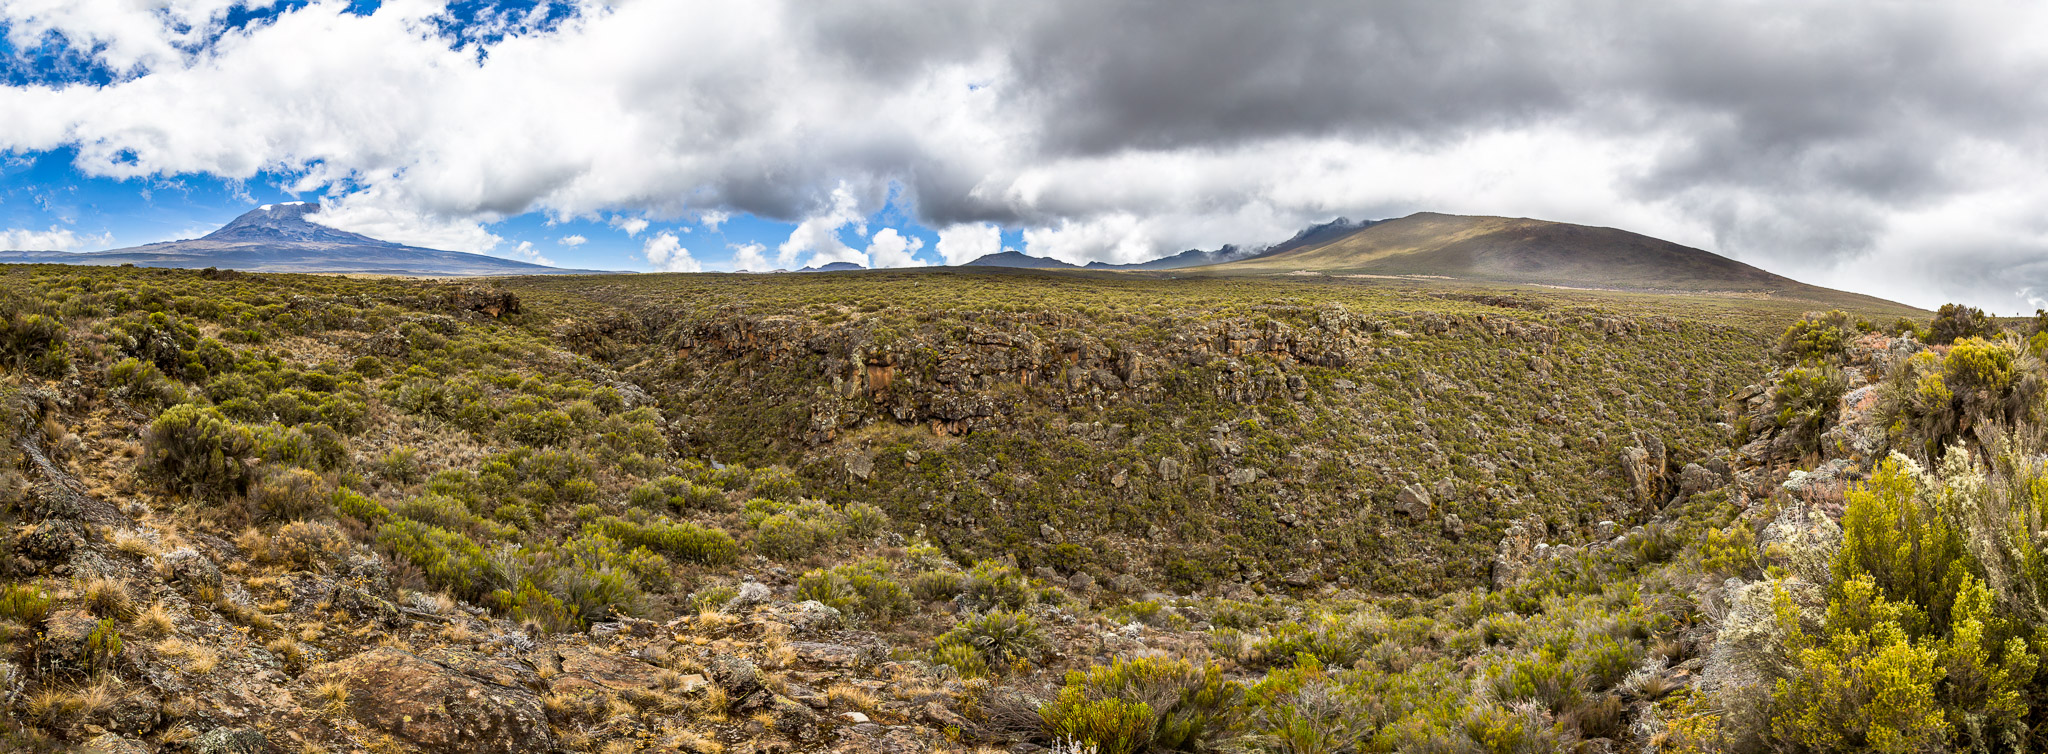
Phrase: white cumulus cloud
[751,257]
[526,252]
[631,225]
[667,254]
[889,248]
[572,241]
[54,239]
[966,242]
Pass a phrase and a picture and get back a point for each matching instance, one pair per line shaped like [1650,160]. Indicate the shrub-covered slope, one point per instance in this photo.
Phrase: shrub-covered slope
[934,512]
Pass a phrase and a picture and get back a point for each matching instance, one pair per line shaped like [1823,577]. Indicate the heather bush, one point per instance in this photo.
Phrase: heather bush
[1147,704]
[1953,322]
[193,450]
[285,494]
[1006,641]
[141,384]
[861,589]
[1817,338]
[32,341]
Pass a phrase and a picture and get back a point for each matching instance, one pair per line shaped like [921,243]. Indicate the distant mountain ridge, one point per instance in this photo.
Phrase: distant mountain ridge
[1514,250]
[1186,259]
[1478,248]
[279,238]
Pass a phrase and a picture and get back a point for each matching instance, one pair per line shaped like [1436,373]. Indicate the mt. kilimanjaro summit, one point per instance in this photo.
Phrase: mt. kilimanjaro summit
[279,238]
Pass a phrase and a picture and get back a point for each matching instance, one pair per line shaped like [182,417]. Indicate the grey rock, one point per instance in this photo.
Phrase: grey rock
[1414,501]
[735,674]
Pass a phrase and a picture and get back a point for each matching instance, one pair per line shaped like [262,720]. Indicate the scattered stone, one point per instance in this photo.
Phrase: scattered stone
[807,696]
[1414,501]
[113,743]
[837,655]
[861,467]
[607,670]
[937,714]
[855,718]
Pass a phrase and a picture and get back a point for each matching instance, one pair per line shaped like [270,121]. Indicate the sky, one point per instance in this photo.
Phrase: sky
[1889,147]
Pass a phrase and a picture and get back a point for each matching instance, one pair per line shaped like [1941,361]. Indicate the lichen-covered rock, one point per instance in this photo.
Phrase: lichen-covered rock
[735,674]
[1642,479]
[436,708]
[231,741]
[191,570]
[1858,434]
[751,593]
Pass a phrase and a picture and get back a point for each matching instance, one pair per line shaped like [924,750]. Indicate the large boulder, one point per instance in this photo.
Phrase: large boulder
[435,708]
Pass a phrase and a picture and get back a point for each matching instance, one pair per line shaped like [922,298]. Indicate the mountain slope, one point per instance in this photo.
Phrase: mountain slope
[1020,260]
[279,238]
[1519,250]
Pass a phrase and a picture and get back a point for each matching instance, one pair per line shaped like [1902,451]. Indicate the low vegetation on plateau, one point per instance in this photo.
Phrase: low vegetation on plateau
[968,511]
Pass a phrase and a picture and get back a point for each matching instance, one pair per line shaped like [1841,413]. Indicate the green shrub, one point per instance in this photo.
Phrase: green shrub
[103,646]
[1865,686]
[937,586]
[141,384]
[1807,400]
[713,598]
[1331,639]
[32,342]
[593,595]
[193,450]
[1104,726]
[865,520]
[861,589]
[993,584]
[540,428]
[355,505]
[312,446]
[531,603]
[1817,338]
[1538,678]
[965,660]
[1953,322]
[681,540]
[402,465]
[1147,704]
[289,493]
[1910,552]
[1007,641]
[24,604]
[306,545]
[450,560]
